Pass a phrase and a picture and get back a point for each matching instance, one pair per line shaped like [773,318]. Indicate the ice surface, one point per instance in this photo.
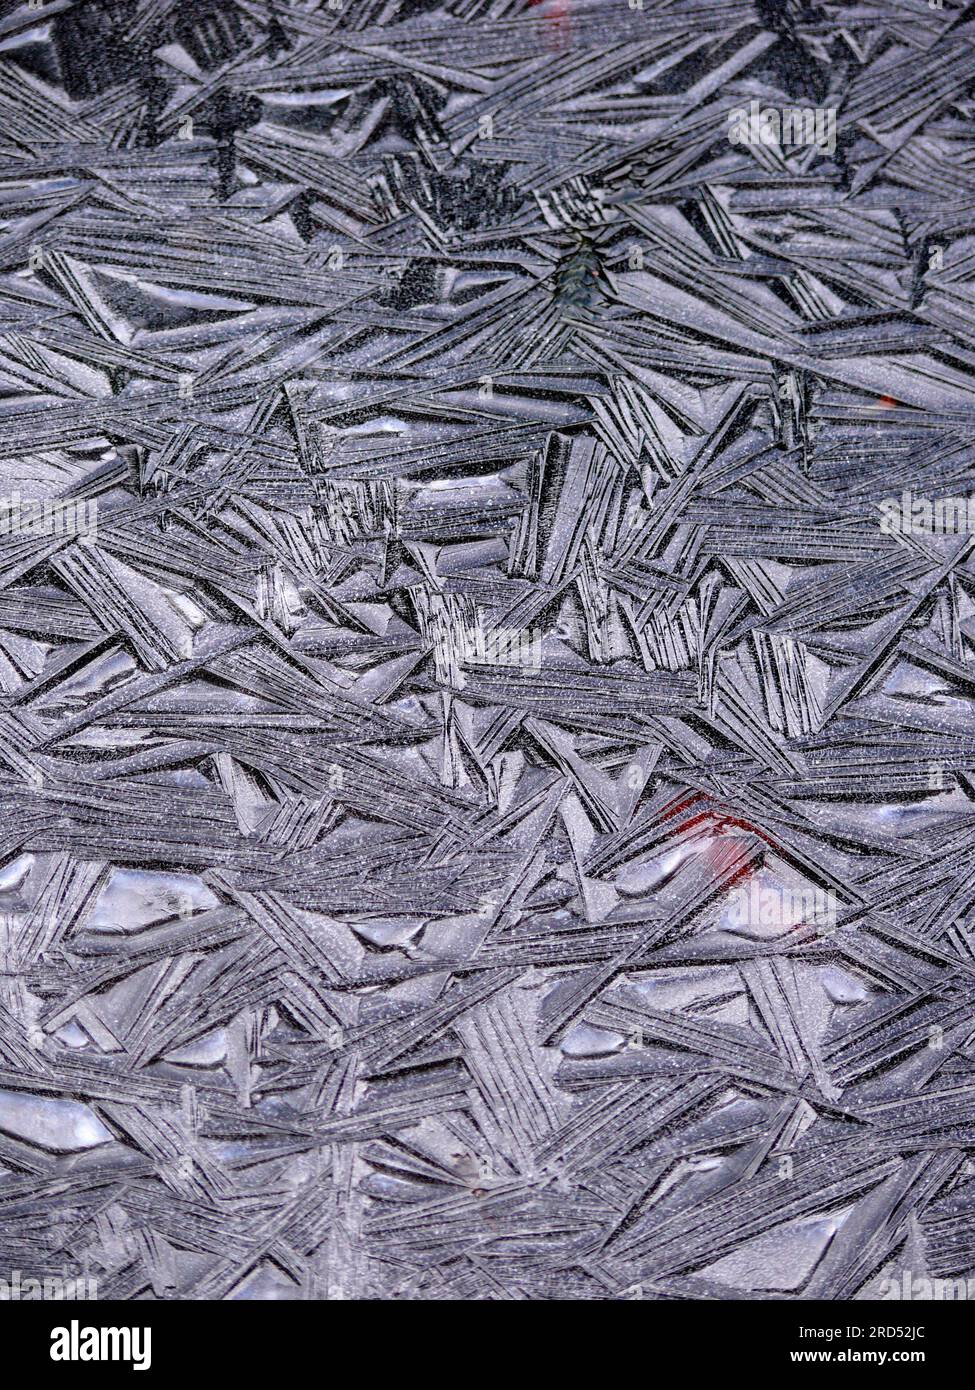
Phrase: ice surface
[486,754]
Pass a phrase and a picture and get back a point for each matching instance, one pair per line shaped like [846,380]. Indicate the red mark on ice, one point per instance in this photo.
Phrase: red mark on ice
[723,826]
[558,28]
